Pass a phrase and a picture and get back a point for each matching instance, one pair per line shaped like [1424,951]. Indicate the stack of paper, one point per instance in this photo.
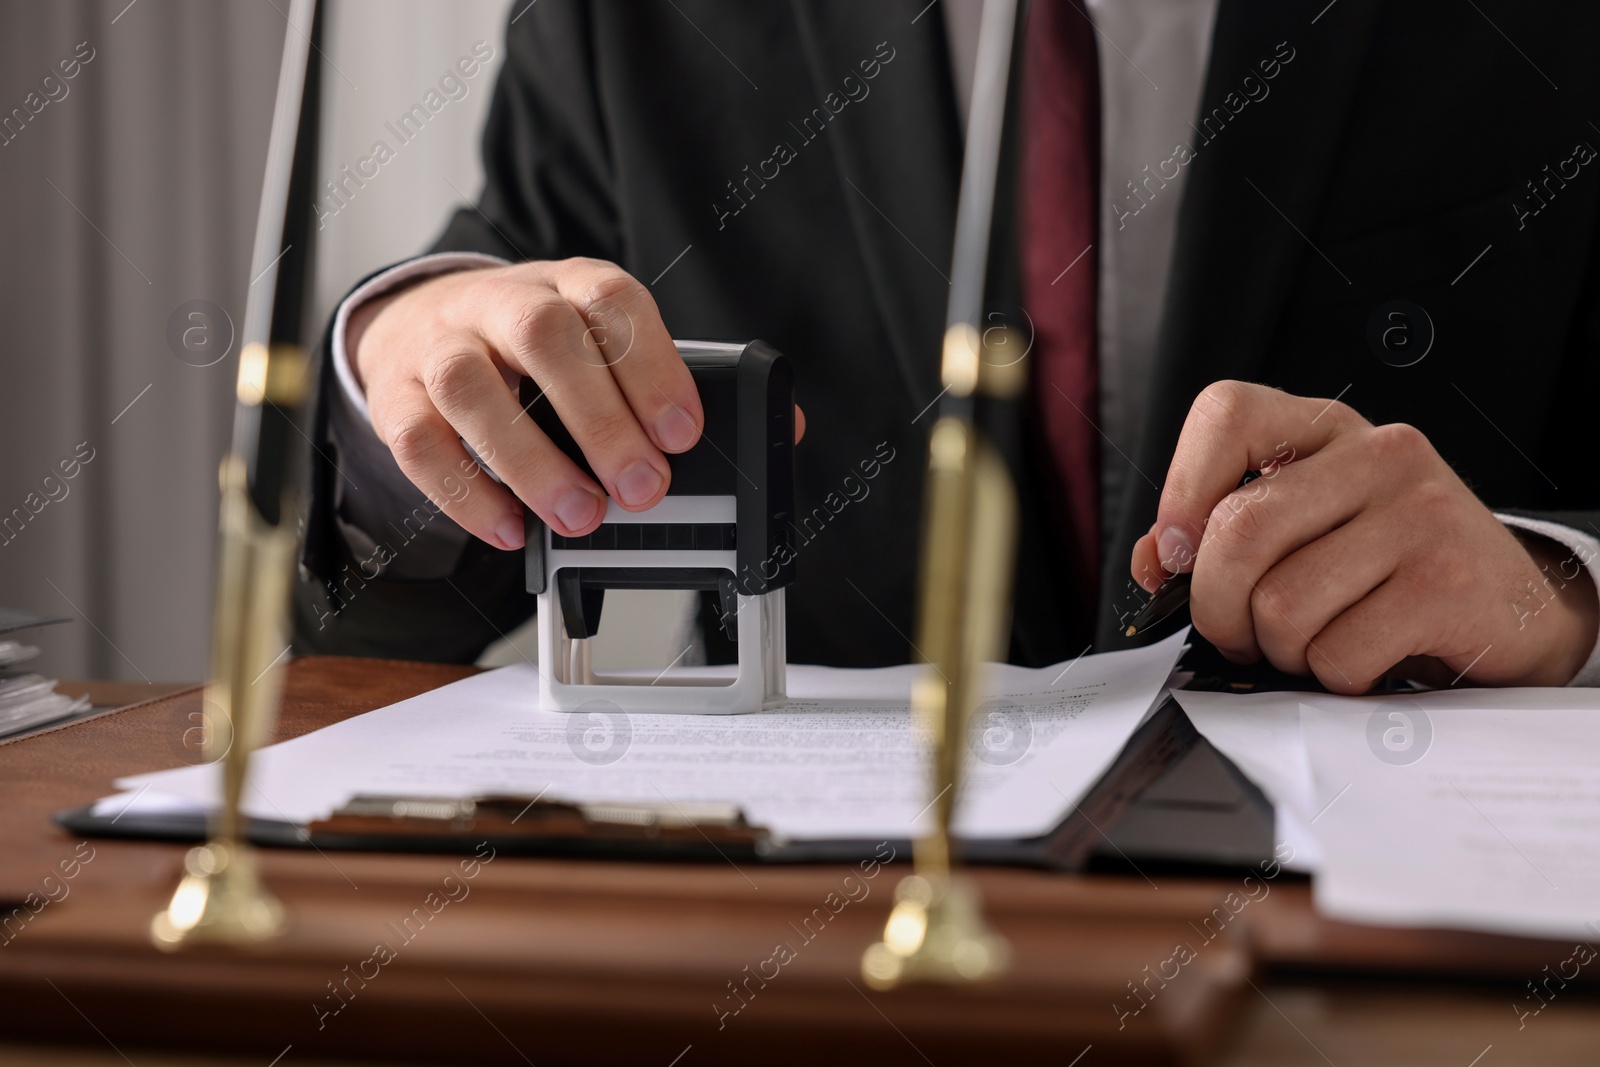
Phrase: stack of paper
[1475,809]
[29,700]
[842,759]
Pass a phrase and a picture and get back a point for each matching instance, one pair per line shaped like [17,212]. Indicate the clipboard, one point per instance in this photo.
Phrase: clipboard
[536,826]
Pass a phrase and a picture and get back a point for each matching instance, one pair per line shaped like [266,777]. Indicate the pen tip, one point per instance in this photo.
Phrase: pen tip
[1130,631]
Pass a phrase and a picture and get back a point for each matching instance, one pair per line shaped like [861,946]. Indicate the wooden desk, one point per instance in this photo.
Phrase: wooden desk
[577,962]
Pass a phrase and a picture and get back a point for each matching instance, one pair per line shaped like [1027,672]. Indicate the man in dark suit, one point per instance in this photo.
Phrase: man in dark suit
[1384,211]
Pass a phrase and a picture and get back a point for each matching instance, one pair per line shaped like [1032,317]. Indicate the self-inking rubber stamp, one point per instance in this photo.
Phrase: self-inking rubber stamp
[723,527]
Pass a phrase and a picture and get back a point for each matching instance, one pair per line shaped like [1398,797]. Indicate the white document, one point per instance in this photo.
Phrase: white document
[1496,826]
[1476,809]
[842,759]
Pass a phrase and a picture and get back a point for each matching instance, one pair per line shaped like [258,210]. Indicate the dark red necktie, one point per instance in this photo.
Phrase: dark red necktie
[1060,180]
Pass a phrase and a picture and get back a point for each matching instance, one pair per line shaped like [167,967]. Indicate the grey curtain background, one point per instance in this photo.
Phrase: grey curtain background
[130,198]
[131,194]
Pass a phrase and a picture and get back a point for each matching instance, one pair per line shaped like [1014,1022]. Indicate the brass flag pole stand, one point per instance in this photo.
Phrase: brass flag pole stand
[936,930]
[221,898]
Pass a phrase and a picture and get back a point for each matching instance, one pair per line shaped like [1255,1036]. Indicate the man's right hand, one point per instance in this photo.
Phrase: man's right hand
[439,362]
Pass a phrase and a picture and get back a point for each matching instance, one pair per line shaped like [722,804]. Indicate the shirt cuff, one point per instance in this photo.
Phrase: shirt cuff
[1584,550]
[409,271]
[388,524]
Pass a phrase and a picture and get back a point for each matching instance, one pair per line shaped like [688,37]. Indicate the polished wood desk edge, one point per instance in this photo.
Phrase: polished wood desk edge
[540,963]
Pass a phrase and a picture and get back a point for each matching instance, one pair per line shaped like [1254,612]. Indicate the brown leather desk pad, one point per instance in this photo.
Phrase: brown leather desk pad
[617,962]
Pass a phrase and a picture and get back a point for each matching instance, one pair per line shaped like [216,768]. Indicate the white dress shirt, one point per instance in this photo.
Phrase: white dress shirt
[1153,57]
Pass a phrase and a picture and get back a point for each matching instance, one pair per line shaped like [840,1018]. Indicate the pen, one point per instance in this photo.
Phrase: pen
[1174,592]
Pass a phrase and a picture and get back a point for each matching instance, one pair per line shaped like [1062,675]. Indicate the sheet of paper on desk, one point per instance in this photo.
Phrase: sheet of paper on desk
[1477,808]
[1496,826]
[841,760]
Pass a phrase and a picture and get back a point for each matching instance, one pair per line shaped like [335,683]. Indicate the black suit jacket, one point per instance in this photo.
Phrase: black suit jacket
[764,186]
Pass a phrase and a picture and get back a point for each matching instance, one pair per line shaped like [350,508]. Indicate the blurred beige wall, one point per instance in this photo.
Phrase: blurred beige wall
[389,54]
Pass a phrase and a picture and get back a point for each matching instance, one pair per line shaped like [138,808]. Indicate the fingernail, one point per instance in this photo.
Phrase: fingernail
[509,532]
[576,509]
[1175,550]
[639,484]
[675,431]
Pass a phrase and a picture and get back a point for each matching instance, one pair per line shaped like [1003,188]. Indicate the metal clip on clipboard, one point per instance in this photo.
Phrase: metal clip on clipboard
[531,824]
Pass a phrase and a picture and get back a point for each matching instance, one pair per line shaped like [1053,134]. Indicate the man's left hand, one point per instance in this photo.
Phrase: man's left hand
[1357,553]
